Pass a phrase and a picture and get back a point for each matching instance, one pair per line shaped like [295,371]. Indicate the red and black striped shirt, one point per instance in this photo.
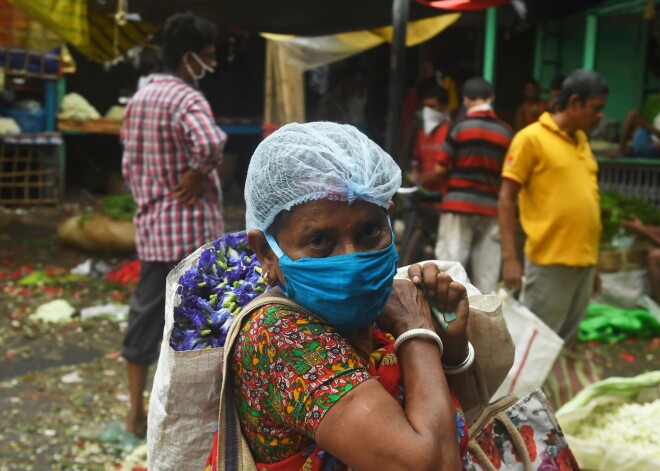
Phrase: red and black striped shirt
[474,153]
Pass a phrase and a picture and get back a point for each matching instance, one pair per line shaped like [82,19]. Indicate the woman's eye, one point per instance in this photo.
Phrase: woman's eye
[372,230]
[319,242]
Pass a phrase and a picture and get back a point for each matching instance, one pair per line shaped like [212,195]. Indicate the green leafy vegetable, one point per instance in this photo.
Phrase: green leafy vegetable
[616,208]
[120,207]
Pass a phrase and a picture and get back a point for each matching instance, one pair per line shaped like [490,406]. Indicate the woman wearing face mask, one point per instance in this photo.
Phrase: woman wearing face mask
[355,377]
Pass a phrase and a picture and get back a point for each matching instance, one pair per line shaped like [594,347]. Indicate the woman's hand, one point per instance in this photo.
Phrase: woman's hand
[448,296]
[406,309]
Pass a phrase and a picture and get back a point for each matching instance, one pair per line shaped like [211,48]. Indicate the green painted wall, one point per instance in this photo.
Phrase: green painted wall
[621,59]
[573,44]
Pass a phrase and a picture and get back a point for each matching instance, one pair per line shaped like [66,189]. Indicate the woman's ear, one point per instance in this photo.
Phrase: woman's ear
[260,246]
[267,258]
[390,209]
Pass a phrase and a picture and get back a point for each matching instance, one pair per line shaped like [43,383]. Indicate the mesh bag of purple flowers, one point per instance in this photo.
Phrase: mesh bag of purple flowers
[204,293]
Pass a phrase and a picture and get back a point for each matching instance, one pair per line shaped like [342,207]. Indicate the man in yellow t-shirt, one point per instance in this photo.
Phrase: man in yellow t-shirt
[551,170]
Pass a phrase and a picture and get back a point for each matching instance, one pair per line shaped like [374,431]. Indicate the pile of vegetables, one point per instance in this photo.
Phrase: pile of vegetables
[628,424]
[616,208]
[120,206]
[76,107]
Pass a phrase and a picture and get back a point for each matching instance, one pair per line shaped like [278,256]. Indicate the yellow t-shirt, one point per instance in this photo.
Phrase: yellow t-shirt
[559,201]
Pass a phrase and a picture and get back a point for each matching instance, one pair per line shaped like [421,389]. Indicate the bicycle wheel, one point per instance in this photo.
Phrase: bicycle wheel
[414,249]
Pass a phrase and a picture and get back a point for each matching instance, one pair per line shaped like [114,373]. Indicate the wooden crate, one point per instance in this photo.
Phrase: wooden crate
[29,170]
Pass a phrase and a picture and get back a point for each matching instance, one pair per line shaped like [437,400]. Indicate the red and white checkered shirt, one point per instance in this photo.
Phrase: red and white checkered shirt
[168,129]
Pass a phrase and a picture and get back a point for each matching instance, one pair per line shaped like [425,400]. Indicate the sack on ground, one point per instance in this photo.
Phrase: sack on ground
[537,348]
[624,289]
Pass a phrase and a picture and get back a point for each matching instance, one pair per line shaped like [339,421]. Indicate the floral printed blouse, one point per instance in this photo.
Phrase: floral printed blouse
[289,368]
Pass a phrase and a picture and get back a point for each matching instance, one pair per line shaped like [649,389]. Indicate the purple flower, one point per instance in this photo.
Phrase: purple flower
[189,280]
[226,278]
[245,293]
[186,340]
[207,260]
[219,318]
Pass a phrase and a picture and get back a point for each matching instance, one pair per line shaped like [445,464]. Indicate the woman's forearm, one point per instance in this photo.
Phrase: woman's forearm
[428,405]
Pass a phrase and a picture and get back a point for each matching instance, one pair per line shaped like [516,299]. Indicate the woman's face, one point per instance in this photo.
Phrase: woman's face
[326,228]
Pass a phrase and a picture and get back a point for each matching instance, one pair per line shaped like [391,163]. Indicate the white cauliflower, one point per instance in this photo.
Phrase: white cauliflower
[8,126]
[76,107]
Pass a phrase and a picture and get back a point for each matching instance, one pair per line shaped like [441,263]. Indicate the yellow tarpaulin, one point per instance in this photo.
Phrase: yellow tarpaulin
[95,35]
[306,53]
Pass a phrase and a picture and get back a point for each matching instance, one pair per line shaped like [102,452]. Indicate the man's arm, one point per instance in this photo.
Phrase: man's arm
[511,267]
[650,232]
[423,178]
[205,142]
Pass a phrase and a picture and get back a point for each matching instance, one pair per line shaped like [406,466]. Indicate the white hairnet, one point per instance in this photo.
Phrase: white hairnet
[312,161]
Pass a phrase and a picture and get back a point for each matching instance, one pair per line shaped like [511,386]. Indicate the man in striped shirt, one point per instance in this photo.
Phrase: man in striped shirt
[172,149]
[473,153]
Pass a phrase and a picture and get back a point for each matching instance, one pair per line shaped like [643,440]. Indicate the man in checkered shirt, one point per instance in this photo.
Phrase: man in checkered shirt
[172,149]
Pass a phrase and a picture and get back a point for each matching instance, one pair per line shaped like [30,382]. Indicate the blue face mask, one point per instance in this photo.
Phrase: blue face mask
[347,291]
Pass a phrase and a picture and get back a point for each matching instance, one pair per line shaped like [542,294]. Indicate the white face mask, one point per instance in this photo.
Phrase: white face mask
[432,119]
[205,68]
[487,106]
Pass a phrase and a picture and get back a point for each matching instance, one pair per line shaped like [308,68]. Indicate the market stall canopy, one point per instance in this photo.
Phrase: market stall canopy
[96,34]
[306,53]
[105,29]
[102,32]
[300,17]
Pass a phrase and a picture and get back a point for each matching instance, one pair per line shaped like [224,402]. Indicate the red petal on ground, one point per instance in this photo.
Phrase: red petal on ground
[10,356]
[20,272]
[51,290]
[628,357]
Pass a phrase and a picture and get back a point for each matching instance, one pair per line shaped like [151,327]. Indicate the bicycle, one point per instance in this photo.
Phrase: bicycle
[420,217]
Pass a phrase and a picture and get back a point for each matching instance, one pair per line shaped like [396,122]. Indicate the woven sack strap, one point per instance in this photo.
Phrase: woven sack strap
[497,412]
[233,450]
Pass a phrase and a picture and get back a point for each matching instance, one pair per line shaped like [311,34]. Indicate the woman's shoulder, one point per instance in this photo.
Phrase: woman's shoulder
[282,320]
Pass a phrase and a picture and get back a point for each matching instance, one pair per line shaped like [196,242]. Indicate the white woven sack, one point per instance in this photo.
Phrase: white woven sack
[183,408]
[453,269]
[537,348]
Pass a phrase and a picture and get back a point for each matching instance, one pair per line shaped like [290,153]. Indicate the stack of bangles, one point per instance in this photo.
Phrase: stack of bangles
[427,333]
